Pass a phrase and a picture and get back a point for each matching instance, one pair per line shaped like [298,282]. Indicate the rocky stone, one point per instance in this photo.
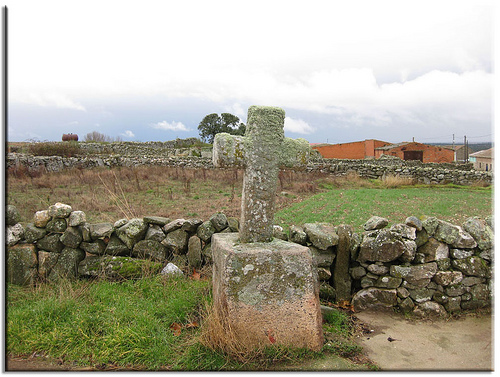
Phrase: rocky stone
[406,305]
[51,242]
[205,231]
[480,292]
[154,233]
[67,264]
[434,250]
[357,272]
[85,229]
[474,304]
[190,225]
[414,222]
[41,218]
[116,247]
[430,225]
[12,216]
[421,294]
[486,254]
[100,230]
[173,225]
[454,290]
[448,277]
[297,235]
[59,210]
[430,309]
[219,221]
[97,247]
[56,225]
[403,292]
[378,269]
[117,268]
[375,222]
[327,292]
[156,220]
[406,231]
[454,236]
[322,258]
[324,274]
[444,264]
[452,305]
[321,235]
[367,281]
[120,223]
[418,276]
[150,249]
[72,237]
[480,231]
[132,232]
[22,264]
[14,234]
[461,254]
[278,232]
[233,224]
[409,251]
[46,261]
[386,246]
[77,218]
[422,238]
[469,281]
[388,282]
[33,234]
[440,297]
[374,298]
[206,253]
[472,266]
[171,270]
[194,255]
[176,241]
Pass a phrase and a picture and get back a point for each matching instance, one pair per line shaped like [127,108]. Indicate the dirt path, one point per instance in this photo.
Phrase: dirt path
[465,343]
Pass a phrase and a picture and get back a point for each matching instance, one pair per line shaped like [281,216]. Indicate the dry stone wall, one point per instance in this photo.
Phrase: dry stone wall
[424,266]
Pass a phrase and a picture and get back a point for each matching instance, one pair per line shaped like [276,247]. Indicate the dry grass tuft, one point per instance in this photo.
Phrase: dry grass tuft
[393,181]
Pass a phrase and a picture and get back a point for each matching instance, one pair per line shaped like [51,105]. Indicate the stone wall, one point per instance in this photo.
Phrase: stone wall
[425,266]
[461,174]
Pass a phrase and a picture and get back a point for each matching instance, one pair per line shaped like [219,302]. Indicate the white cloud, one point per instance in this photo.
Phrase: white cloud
[172,126]
[48,99]
[128,134]
[297,126]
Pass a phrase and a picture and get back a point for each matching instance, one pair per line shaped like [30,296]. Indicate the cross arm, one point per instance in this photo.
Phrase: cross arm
[228,151]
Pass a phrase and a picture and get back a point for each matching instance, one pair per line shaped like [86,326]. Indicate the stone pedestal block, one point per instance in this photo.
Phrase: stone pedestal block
[267,291]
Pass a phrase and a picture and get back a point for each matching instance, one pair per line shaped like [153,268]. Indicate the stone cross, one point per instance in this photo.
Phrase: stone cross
[262,151]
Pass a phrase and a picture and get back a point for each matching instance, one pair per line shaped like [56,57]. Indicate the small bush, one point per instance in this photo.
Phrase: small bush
[393,181]
[63,149]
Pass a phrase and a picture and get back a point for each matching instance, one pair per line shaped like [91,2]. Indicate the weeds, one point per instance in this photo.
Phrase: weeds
[65,149]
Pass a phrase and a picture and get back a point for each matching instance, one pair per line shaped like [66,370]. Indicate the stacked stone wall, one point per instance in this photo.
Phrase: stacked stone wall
[425,266]
[430,173]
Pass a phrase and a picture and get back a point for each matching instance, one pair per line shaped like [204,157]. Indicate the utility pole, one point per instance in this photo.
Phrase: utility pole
[466,151]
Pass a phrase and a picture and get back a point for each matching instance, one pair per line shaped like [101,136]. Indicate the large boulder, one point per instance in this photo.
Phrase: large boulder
[117,268]
[374,298]
[33,234]
[67,264]
[454,235]
[132,232]
[22,264]
[176,241]
[150,249]
[100,230]
[383,246]
[417,276]
[51,242]
[72,237]
[481,231]
[12,216]
[321,235]
[59,210]
[472,266]
[375,222]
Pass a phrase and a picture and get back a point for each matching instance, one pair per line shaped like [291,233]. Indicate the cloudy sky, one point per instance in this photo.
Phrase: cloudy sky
[342,70]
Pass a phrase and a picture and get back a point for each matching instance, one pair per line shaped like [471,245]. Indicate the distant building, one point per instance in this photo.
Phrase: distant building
[483,160]
[358,150]
[417,151]
[461,153]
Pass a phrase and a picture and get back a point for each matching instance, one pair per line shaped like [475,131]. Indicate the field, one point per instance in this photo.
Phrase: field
[107,195]
[160,324]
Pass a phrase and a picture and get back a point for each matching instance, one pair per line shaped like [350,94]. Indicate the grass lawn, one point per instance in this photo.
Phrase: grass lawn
[355,206]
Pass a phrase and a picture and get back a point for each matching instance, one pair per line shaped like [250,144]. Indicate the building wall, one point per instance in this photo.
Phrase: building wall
[431,153]
[358,150]
[482,163]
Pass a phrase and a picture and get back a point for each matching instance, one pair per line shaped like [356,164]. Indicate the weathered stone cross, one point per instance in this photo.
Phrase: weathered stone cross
[262,151]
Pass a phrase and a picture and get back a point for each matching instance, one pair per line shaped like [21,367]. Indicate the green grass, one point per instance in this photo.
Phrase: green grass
[111,323]
[355,206]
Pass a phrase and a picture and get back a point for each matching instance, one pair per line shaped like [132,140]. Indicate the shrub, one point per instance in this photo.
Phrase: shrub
[63,149]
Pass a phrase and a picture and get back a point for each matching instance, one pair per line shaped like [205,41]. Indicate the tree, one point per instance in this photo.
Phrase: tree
[213,124]
[99,137]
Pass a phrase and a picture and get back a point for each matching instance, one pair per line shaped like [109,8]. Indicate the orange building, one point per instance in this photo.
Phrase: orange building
[358,150]
[417,151]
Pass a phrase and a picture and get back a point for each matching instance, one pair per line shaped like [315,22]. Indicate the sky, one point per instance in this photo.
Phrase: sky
[342,70]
